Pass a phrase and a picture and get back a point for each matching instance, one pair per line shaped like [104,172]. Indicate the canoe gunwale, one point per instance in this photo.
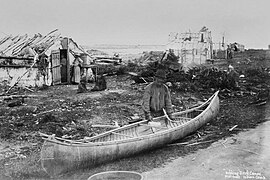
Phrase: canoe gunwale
[87,142]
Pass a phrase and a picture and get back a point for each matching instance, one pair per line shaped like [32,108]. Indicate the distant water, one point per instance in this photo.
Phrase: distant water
[126,49]
[126,52]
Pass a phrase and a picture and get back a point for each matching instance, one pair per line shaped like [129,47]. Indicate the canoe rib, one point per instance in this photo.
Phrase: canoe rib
[59,155]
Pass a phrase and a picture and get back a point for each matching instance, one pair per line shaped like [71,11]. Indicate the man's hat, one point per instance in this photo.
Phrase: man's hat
[160,74]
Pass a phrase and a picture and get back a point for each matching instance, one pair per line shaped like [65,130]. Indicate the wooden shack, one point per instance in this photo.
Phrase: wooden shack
[38,60]
[193,48]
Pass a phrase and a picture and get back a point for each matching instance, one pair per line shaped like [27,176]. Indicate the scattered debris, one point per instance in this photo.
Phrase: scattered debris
[201,142]
[233,127]
[17,102]
[44,112]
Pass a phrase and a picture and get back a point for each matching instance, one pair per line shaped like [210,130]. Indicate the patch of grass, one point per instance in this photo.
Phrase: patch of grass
[25,168]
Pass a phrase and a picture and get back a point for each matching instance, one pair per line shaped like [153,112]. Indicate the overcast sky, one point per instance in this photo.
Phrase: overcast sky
[138,21]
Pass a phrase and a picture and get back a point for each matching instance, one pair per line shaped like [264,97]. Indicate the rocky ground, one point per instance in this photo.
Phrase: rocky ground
[60,110]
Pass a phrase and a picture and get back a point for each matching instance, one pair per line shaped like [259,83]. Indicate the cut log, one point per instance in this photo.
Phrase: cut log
[103,126]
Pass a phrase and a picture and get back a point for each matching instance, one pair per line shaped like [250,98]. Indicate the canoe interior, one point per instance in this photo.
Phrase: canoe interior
[143,128]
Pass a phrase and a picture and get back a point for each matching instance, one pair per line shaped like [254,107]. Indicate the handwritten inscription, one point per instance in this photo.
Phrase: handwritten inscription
[243,175]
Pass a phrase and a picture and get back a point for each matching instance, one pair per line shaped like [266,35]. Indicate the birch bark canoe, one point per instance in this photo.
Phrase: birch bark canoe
[60,155]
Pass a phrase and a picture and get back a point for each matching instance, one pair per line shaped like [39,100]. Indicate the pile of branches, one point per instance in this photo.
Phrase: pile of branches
[149,62]
[151,56]
[256,76]
[196,79]
[200,79]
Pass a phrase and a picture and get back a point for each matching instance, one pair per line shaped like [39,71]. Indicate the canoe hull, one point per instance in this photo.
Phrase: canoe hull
[58,157]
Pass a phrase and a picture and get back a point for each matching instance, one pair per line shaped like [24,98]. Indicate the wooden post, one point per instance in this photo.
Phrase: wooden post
[86,74]
[193,55]
[200,55]
[211,50]
[68,63]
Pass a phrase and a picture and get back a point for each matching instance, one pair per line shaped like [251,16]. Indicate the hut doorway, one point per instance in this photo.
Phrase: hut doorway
[64,66]
[60,68]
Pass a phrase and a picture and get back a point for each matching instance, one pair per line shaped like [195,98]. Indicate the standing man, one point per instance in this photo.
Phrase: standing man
[229,52]
[157,97]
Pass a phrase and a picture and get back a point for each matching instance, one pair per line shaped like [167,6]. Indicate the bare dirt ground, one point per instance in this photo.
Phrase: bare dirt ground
[60,110]
[243,156]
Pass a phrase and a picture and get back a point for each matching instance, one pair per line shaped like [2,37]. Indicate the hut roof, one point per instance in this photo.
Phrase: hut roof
[20,45]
